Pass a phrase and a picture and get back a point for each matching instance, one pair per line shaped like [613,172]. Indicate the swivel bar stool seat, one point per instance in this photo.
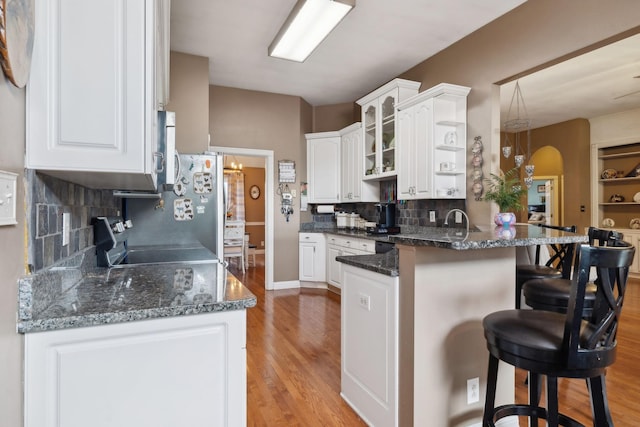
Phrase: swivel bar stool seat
[562,345]
[558,266]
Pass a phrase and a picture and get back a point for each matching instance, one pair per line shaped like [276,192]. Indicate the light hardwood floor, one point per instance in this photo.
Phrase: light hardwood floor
[293,361]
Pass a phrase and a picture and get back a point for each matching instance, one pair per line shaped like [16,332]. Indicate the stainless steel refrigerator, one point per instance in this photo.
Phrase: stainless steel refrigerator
[190,215]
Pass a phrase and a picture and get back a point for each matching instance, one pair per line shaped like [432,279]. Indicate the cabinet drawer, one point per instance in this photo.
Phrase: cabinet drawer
[364,245]
[310,237]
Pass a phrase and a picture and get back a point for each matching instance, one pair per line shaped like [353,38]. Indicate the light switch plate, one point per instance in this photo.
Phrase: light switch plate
[8,187]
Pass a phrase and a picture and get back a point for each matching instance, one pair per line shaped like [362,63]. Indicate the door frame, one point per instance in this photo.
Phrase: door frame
[269,203]
[557,196]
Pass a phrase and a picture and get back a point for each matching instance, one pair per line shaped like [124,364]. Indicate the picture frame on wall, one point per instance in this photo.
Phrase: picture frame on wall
[541,188]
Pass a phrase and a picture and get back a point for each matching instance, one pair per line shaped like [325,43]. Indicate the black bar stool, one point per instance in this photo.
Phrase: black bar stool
[553,293]
[558,266]
[562,345]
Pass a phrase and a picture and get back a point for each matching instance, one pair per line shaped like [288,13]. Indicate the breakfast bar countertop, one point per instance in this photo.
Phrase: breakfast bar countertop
[71,296]
[487,238]
[459,239]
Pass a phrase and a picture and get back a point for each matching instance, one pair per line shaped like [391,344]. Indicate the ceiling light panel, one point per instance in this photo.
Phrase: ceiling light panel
[308,24]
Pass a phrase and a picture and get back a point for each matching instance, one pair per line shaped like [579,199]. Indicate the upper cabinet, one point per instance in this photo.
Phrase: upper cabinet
[432,144]
[353,188]
[378,124]
[323,167]
[94,93]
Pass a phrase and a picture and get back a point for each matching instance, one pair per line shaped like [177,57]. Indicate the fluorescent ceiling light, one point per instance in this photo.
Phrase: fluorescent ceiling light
[307,25]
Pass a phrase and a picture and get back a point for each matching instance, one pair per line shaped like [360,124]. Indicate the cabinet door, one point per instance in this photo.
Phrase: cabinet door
[406,155]
[139,373]
[90,97]
[334,268]
[634,239]
[423,125]
[323,170]
[350,172]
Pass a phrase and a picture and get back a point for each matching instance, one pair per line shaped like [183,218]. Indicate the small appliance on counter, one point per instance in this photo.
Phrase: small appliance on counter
[387,220]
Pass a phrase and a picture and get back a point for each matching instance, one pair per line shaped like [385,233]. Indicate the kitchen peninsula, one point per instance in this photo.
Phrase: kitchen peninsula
[155,344]
[448,280]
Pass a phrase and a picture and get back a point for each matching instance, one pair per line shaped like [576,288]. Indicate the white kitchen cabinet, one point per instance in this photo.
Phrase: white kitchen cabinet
[188,370]
[91,100]
[378,124]
[414,152]
[344,246]
[323,167]
[353,187]
[633,236]
[312,254]
[431,144]
[369,344]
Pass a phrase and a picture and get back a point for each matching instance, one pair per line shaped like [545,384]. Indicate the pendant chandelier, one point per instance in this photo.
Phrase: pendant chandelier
[517,125]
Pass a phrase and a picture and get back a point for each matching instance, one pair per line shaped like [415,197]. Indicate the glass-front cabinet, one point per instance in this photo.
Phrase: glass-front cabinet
[378,118]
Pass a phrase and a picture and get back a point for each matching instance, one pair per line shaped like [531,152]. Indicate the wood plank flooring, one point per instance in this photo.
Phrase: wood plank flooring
[293,361]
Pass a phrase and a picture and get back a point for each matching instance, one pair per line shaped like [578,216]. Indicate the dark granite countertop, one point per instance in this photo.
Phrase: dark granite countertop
[386,263]
[79,295]
[490,237]
[346,232]
[460,239]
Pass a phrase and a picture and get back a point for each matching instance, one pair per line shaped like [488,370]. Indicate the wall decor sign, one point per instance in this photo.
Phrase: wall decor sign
[541,188]
[16,39]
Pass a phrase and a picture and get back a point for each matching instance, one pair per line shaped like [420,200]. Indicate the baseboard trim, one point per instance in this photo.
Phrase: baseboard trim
[291,284]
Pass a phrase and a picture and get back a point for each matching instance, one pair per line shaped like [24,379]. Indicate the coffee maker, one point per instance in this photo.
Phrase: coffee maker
[386,214]
[386,220]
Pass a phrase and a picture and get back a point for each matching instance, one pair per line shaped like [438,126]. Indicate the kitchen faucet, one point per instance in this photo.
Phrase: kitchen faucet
[446,218]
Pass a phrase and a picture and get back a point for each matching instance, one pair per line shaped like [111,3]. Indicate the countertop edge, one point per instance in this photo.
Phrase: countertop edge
[100,319]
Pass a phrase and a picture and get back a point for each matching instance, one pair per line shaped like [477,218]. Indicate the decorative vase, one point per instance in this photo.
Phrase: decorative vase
[502,218]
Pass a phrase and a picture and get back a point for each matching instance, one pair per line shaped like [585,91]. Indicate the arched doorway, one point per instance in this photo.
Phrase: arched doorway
[545,199]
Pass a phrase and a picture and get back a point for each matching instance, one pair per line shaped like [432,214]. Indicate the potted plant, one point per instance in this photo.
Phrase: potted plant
[506,191]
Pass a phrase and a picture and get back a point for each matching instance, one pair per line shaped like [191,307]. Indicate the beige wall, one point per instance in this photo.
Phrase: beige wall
[327,118]
[12,255]
[189,98]
[536,33]
[259,120]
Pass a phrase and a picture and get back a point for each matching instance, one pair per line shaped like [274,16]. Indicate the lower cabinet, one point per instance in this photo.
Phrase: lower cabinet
[344,246]
[311,256]
[369,347]
[180,371]
[633,236]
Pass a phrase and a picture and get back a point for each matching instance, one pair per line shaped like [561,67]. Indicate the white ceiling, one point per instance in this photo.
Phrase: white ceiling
[603,81]
[374,43]
[377,42]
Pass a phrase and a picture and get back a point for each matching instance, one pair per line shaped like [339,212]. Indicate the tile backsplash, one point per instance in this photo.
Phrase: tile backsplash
[47,199]
[408,213]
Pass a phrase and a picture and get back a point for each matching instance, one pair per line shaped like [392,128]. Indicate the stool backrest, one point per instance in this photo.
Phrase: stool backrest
[591,343]
[603,237]
[560,254]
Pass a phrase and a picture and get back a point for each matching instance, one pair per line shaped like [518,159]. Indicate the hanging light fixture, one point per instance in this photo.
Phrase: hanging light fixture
[306,27]
[517,126]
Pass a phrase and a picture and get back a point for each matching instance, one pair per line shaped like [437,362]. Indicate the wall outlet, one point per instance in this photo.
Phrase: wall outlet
[364,301]
[458,217]
[473,390]
[432,216]
[66,226]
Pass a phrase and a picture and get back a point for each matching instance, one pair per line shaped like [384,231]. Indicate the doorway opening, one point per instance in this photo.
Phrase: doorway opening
[266,157]
[543,201]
